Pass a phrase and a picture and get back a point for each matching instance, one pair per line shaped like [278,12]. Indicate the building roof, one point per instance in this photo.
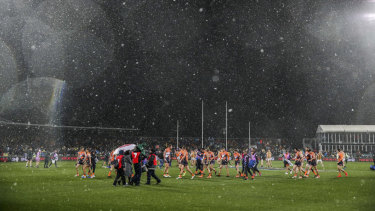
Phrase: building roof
[346,128]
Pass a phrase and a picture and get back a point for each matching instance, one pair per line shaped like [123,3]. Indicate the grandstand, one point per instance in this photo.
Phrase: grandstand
[350,138]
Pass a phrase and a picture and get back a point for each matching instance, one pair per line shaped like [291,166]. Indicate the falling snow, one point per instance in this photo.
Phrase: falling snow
[277,64]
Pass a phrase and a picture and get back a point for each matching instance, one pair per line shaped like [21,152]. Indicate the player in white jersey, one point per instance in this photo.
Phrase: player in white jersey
[319,158]
[37,158]
[269,159]
[167,160]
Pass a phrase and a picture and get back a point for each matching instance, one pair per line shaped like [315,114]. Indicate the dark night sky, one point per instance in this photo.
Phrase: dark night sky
[286,66]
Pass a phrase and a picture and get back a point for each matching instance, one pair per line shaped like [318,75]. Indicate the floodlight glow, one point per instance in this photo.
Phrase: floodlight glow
[369,16]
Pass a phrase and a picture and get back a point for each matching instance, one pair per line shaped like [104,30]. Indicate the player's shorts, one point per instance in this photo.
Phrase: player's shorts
[168,160]
[193,158]
[113,162]
[80,162]
[320,161]
[184,162]
[313,163]
[37,159]
[298,163]
[224,162]
[268,159]
[212,162]
[237,162]
[205,162]
[340,163]
[29,158]
[286,163]
[106,160]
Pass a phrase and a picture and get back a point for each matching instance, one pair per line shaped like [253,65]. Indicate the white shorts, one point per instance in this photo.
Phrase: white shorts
[268,159]
[319,161]
[192,158]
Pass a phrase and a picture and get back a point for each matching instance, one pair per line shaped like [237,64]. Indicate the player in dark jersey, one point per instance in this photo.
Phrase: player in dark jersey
[206,163]
[247,165]
[93,163]
[106,160]
[255,159]
[29,158]
[47,158]
[262,157]
[151,165]
[243,162]
[199,162]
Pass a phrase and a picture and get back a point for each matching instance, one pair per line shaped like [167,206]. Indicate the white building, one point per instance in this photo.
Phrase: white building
[350,138]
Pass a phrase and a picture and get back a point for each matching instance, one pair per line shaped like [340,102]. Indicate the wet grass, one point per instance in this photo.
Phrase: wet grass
[57,189]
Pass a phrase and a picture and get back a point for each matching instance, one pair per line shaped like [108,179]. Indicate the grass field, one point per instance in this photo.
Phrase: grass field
[57,189]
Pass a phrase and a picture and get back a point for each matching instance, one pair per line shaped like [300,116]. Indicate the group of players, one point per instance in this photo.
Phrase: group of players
[203,160]
[49,158]
[87,159]
[312,159]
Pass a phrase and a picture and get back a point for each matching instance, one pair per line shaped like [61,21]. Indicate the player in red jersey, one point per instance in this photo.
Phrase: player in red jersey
[112,159]
[340,162]
[237,160]
[185,163]
[80,158]
[297,169]
[224,157]
[211,163]
[311,163]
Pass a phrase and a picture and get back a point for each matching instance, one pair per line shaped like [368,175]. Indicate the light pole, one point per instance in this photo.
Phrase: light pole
[226,125]
[177,133]
[202,123]
[249,136]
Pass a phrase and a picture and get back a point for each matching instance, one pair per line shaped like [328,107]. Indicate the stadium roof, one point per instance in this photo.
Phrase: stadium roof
[345,128]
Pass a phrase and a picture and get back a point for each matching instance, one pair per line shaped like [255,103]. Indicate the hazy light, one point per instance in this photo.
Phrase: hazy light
[369,16]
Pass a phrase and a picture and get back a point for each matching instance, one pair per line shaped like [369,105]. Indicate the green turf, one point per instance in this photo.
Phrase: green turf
[57,189]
